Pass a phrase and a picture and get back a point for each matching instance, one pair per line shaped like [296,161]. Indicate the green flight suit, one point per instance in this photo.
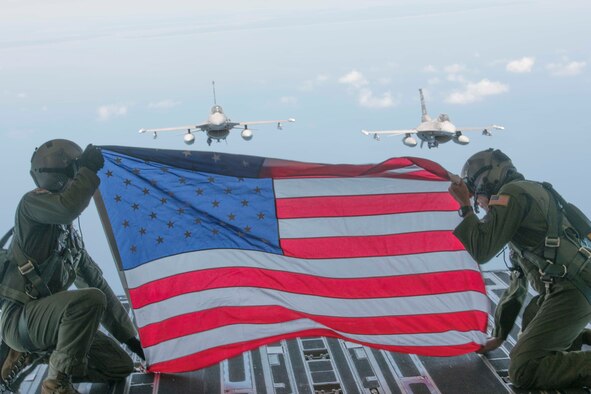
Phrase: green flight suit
[66,322]
[540,359]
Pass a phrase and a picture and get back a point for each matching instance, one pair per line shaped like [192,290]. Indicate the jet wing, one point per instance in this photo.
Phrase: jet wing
[265,122]
[188,127]
[482,128]
[389,132]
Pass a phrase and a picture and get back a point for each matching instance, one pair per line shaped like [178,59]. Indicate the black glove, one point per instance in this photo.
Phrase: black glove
[91,158]
[135,346]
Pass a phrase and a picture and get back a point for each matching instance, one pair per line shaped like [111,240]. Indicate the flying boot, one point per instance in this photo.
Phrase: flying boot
[58,383]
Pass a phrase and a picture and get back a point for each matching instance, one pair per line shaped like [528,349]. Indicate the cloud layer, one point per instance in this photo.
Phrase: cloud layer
[106,112]
[520,66]
[474,92]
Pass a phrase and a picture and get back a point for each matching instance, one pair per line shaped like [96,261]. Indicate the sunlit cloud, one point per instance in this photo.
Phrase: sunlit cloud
[312,84]
[520,66]
[429,69]
[454,68]
[164,104]
[566,69]
[358,84]
[106,112]
[288,100]
[368,100]
[456,78]
[354,79]
[474,92]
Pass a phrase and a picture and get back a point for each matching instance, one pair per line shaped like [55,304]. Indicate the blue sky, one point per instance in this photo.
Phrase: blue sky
[96,72]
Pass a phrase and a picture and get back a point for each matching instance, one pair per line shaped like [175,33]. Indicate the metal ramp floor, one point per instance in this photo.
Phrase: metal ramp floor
[328,365]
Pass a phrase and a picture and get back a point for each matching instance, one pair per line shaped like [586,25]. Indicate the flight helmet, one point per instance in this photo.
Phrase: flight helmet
[485,172]
[54,163]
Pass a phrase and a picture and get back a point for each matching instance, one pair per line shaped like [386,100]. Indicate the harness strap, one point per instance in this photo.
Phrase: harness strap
[6,237]
[11,294]
[554,219]
[23,332]
[30,270]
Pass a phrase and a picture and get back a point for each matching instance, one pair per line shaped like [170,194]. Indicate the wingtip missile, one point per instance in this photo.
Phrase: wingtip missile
[142,131]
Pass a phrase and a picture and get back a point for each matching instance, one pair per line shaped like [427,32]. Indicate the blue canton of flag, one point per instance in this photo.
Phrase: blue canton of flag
[170,210]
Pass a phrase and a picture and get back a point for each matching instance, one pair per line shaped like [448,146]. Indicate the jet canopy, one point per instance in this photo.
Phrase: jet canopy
[443,118]
[217,109]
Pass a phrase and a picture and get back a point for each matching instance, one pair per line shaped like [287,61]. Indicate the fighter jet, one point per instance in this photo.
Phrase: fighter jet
[433,132]
[217,126]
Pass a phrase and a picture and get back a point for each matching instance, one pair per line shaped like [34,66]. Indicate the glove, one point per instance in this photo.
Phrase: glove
[135,346]
[91,158]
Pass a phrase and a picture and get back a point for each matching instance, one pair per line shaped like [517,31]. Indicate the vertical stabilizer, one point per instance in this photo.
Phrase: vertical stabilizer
[425,116]
[213,86]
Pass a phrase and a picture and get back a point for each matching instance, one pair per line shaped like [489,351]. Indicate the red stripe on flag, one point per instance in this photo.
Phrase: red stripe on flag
[352,288]
[379,204]
[275,168]
[368,246]
[213,356]
[195,322]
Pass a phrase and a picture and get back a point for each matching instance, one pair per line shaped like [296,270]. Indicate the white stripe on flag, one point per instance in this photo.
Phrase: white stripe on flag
[314,187]
[363,267]
[368,225]
[314,305]
[194,343]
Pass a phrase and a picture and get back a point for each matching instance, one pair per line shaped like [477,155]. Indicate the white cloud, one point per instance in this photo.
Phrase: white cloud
[288,100]
[433,81]
[566,69]
[358,85]
[477,91]
[456,78]
[368,100]
[354,79]
[454,68]
[106,112]
[429,69]
[164,104]
[520,66]
[311,84]
[22,95]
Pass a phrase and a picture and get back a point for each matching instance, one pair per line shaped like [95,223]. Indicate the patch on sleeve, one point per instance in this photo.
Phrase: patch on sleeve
[41,191]
[499,199]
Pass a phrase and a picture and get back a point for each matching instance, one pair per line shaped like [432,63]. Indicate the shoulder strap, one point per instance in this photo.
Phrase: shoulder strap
[6,237]
[554,220]
[30,270]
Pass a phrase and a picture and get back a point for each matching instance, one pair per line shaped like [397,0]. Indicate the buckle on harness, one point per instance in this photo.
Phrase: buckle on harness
[26,268]
[544,274]
[585,252]
[551,242]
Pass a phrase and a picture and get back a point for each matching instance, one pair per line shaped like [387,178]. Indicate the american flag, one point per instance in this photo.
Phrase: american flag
[223,253]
